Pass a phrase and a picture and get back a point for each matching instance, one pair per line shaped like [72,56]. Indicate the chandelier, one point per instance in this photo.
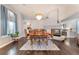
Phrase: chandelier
[39,16]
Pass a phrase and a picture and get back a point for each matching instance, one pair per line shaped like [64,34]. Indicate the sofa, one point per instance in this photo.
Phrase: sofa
[58,34]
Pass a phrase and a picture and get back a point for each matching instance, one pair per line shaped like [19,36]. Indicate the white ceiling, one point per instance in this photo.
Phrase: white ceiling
[47,9]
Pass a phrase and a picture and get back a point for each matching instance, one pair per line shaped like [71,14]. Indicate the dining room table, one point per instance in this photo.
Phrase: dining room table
[39,36]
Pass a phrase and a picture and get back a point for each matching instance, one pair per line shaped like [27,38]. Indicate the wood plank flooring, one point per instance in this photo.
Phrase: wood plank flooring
[13,49]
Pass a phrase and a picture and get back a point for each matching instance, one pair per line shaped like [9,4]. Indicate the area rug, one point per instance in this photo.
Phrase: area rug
[51,46]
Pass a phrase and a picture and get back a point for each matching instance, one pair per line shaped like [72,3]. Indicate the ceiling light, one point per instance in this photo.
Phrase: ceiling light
[39,16]
[28,23]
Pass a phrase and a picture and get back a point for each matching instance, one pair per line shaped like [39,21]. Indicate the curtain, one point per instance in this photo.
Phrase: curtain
[16,27]
[3,20]
[0,20]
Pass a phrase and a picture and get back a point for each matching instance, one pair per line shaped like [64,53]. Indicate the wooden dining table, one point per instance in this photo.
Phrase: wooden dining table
[39,35]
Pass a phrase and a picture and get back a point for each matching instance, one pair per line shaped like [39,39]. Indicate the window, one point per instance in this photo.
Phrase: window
[11,23]
[8,21]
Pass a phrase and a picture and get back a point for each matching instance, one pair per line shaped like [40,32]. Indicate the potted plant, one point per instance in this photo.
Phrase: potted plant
[14,36]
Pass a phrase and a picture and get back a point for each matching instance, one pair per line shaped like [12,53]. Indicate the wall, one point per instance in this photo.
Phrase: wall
[20,24]
[45,24]
[71,22]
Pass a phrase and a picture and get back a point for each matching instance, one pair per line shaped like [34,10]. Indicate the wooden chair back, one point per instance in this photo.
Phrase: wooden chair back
[25,31]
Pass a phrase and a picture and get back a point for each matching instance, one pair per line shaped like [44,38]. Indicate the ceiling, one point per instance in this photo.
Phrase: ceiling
[30,10]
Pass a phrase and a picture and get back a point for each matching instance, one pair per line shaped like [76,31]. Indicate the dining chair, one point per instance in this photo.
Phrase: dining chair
[26,34]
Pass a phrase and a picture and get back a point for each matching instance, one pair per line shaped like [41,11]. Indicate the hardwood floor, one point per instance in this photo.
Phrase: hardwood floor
[13,49]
